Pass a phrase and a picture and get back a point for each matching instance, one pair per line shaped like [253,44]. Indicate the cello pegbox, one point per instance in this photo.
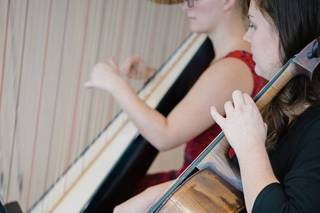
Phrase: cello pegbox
[308,60]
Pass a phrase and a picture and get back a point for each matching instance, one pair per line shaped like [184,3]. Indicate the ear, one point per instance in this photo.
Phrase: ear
[229,4]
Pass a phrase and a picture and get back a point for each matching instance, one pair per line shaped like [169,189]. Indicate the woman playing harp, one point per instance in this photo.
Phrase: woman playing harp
[232,68]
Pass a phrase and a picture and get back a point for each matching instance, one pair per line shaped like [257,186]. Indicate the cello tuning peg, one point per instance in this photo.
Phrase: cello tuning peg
[315,53]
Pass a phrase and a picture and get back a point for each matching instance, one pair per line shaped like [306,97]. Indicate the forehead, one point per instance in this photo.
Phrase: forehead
[262,20]
[254,11]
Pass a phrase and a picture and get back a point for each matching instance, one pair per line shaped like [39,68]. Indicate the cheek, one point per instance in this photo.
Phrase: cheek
[208,14]
[202,24]
[257,54]
[266,61]
[260,57]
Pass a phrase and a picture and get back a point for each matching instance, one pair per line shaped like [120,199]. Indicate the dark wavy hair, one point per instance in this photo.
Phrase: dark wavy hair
[298,23]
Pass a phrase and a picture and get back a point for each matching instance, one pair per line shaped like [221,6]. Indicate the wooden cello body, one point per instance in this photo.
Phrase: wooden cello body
[205,192]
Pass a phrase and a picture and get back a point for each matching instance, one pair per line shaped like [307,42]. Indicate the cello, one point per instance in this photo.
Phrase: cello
[210,184]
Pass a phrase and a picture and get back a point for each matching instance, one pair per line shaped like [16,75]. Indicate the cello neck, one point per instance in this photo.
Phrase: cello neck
[273,87]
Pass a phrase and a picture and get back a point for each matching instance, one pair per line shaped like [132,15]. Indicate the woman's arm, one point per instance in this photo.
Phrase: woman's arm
[189,118]
[246,133]
[256,173]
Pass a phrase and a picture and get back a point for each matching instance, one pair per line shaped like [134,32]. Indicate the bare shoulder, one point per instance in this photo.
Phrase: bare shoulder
[230,66]
[229,74]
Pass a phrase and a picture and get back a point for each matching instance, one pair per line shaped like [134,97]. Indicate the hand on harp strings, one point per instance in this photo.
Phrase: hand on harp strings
[105,76]
[134,67]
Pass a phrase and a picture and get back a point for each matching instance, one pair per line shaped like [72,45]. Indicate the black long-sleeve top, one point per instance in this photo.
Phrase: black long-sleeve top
[296,164]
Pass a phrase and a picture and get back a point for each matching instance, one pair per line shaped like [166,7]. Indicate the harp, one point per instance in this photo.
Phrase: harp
[100,177]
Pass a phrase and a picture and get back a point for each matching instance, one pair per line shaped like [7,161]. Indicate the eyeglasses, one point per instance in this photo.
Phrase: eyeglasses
[190,3]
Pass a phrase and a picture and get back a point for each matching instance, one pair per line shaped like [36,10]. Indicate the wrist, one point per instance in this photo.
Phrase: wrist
[257,151]
[117,85]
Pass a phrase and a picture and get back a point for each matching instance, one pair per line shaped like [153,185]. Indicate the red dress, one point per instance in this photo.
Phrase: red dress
[195,146]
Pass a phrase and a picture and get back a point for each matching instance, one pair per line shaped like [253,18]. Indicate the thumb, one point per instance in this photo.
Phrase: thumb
[128,64]
[113,63]
[217,117]
[125,66]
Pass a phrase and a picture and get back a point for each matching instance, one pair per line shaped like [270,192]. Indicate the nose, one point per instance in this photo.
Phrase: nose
[247,36]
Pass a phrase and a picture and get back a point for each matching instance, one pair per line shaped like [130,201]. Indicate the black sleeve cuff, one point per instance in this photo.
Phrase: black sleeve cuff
[270,199]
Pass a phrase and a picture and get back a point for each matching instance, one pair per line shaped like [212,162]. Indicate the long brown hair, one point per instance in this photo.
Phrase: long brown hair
[297,23]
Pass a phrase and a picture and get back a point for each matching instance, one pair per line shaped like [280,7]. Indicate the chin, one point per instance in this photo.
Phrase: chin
[265,74]
[193,28]
[260,72]
[196,29]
